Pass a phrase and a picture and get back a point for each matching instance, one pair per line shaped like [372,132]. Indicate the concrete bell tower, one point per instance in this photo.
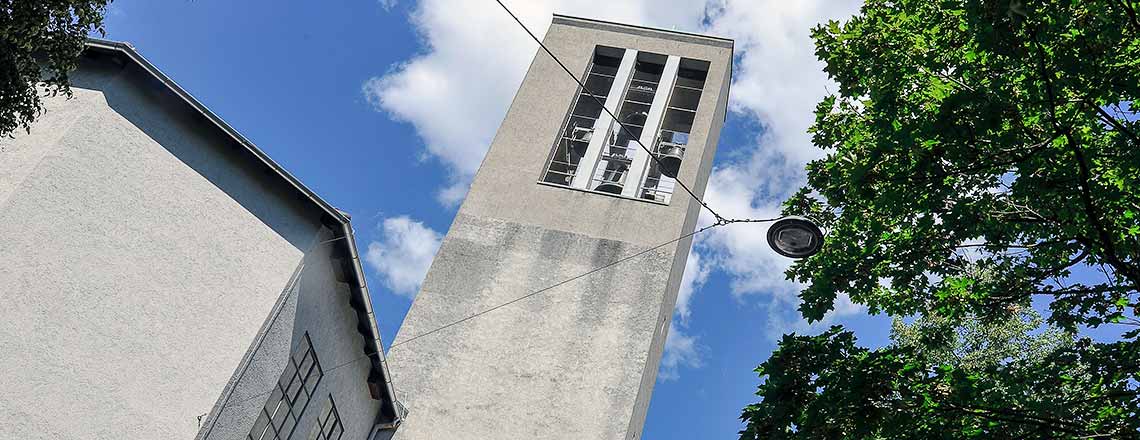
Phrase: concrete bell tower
[562,191]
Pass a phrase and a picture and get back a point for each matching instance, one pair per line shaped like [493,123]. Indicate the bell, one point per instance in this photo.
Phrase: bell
[609,187]
[669,160]
[636,118]
[611,182]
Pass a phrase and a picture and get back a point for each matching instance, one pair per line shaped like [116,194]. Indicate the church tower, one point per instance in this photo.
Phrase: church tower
[562,194]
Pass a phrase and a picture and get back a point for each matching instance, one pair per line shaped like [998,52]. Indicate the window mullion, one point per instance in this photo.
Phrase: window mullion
[640,166]
[603,125]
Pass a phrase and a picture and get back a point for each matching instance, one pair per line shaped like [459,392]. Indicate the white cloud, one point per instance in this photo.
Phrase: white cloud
[778,79]
[388,4]
[681,350]
[696,273]
[402,257]
[783,317]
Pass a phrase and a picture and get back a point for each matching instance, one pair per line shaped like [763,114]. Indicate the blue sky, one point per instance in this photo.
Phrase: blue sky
[360,100]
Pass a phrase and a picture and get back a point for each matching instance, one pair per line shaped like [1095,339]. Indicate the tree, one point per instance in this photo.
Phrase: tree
[977,379]
[40,42]
[978,136]
[975,345]
[980,154]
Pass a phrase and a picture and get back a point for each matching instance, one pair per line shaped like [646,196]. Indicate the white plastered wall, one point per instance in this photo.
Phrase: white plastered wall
[138,259]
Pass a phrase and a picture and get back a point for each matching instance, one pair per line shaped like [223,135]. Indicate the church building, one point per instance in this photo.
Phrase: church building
[163,278]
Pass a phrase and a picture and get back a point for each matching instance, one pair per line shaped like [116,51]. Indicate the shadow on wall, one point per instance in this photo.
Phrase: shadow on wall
[154,109]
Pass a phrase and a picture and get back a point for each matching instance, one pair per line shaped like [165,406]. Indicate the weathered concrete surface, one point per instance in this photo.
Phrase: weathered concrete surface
[570,359]
[579,360]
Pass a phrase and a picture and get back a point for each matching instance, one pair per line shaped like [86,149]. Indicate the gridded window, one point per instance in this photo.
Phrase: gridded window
[289,398]
[658,101]
[579,127]
[328,425]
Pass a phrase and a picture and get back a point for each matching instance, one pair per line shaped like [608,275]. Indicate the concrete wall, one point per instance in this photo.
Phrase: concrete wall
[577,361]
[566,364]
[318,304]
[140,257]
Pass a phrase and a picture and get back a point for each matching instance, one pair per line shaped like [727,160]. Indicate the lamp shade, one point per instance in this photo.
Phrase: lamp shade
[795,237]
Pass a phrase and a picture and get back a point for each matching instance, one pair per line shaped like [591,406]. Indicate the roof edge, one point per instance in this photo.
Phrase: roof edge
[624,27]
[360,284]
[130,51]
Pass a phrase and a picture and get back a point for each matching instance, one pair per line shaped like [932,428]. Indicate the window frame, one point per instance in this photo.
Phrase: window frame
[283,399]
[324,429]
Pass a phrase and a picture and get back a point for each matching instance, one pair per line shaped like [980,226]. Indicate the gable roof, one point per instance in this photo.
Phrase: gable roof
[345,248]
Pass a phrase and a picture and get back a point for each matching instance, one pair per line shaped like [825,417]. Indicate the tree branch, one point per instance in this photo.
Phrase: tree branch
[1080,291]
[1131,13]
[1093,214]
[1016,417]
[1112,121]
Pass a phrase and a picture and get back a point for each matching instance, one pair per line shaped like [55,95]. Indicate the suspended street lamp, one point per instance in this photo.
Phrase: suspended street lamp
[795,237]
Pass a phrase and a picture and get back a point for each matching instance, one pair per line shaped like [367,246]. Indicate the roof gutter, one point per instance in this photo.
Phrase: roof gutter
[378,343]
